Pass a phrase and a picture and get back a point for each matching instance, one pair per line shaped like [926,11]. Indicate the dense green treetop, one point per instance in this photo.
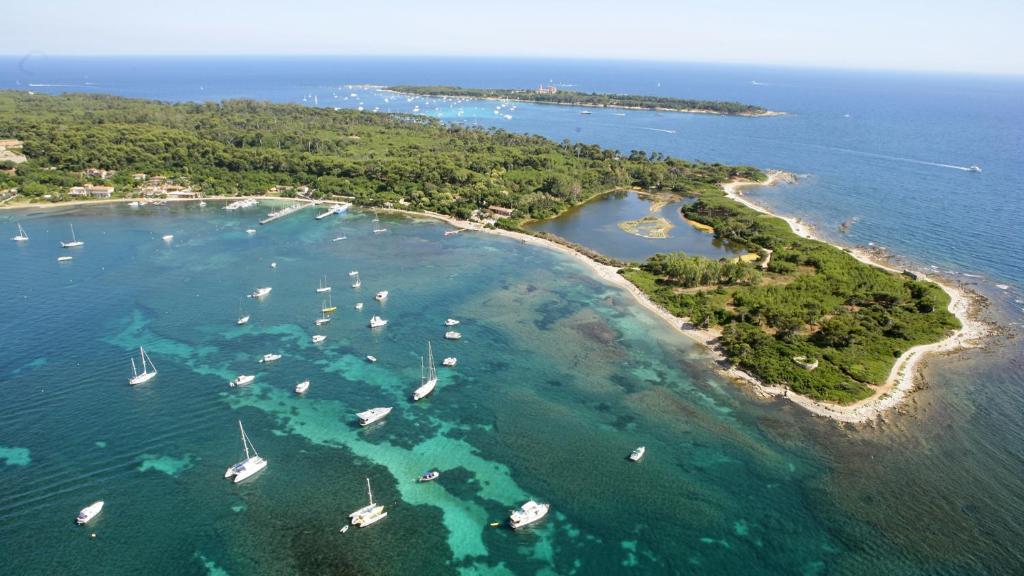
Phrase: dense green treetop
[569,97]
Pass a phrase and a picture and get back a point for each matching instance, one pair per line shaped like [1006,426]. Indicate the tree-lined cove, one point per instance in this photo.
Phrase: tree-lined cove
[799,303]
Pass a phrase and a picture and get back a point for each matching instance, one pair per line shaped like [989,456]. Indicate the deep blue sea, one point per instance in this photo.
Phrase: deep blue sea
[559,375]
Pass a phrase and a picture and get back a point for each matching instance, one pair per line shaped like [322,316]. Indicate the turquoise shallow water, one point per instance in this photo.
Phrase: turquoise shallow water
[559,377]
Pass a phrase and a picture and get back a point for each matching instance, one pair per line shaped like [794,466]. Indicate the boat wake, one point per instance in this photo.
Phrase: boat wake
[896,158]
[665,130]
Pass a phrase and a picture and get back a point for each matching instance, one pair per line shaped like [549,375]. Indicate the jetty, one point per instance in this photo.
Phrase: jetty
[284,212]
[334,209]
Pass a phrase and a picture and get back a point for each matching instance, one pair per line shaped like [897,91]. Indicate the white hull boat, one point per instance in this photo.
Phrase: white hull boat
[146,375]
[528,513]
[318,338]
[267,358]
[75,242]
[22,236]
[428,381]
[377,322]
[302,387]
[252,464]
[452,335]
[373,415]
[242,380]
[368,514]
[261,292]
[89,512]
[637,454]
[451,322]
[381,296]
[450,362]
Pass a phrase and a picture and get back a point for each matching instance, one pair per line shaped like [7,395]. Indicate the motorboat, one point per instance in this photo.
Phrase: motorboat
[381,296]
[261,292]
[168,237]
[371,359]
[528,513]
[453,335]
[451,322]
[267,358]
[637,454]
[89,512]
[450,361]
[377,322]
[302,387]
[318,338]
[359,305]
[64,258]
[429,476]
[242,380]
[372,415]
[252,464]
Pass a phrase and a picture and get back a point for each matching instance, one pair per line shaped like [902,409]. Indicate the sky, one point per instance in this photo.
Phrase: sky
[983,36]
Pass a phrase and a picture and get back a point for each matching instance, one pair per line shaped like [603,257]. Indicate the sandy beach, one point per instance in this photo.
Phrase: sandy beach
[898,386]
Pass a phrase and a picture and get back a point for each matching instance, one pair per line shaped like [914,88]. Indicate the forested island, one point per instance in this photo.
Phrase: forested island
[805,303]
[550,95]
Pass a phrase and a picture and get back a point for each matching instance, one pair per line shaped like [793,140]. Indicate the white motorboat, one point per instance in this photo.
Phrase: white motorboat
[428,380]
[318,338]
[202,203]
[64,258]
[379,230]
[250,230]
[270,358]
[168,237]
[89,512]
[339,239]
[261,292]
[134,204]
[974,168]
[146,375]
[381,296]
[371,359]
[450,362]
[452,335]
[377,322]
[429,476]
[451,322]
[324,287]
[528,513]
[368,514]
[372,415]
[75,242]
[359,305]
[354,273]
[273,264]
[252,464]
[637,454]
[302,387]
[22,235]
[242,380]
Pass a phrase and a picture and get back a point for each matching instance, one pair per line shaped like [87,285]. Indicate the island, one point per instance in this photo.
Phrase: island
[803,314]
[552,95]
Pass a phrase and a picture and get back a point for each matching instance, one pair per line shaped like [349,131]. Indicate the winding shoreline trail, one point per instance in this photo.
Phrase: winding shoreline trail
[897,387]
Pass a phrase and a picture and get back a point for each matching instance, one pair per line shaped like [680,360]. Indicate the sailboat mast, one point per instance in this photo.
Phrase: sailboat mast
[368,491]
[135,371]
[245,441]
[430,355]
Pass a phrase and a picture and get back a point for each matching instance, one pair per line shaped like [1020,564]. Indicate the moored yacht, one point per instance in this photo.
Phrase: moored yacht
[381,296]
[89,512]
[528,513]
[429,476]
[368,514]
[75,242]
[252,464]
[377,322]
[372,415]
[324,287]
[371,359]
[22,236]
[318,338]
[359,305]
[261,292]
[270,358]
[453,335]
[428,380]
[328,307]
[451,322]
[354,273]
[243,318]
[146,375]
[242,380]
[302,387]
[323,319]
[450,361]
[637,454]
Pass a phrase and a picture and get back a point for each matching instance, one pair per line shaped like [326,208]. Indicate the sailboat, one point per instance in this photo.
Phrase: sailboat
[328,308]
[323,286]
[22,236]
[146,375]
[243,318]
[428,381]
[75,242]
[368,514]
[252,464]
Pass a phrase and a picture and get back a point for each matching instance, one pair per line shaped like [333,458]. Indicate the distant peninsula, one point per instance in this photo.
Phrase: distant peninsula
[552,95]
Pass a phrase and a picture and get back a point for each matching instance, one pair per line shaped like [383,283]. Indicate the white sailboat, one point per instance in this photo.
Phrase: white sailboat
[368,514]
[243,318]
[252,464]
[75,242]
[428,381]
[146,375]
[323,286]
[22,236]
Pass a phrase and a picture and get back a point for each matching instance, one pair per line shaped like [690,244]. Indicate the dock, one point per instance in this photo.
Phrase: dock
[335,209]
[284,212]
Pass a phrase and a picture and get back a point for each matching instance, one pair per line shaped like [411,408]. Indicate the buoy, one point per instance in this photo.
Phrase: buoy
[93,535]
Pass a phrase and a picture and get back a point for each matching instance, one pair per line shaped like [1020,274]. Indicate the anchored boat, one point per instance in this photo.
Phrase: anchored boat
[252,464]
